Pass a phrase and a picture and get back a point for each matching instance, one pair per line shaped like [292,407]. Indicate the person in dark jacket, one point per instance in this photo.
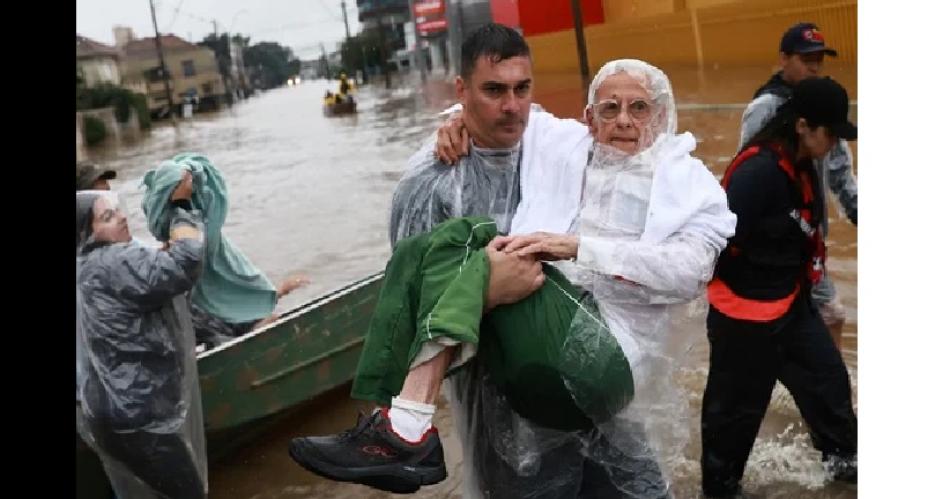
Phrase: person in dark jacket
[801,55]
[763,324]
[140,405]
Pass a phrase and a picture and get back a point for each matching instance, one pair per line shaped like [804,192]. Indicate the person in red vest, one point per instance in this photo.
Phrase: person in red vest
[763,324]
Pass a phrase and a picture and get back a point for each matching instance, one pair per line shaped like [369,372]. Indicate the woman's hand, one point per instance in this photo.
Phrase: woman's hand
[290,285]
[184,188]
[542,245]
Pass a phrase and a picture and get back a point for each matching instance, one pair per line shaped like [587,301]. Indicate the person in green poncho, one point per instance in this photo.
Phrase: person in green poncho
[232,297]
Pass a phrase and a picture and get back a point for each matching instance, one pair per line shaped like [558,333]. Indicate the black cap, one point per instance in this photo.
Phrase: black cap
[88,173]
[822,101]
[804,38]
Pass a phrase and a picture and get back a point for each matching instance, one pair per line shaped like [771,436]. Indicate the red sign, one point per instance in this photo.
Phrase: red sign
[424,8]
[505,12]
[547,16]
[429,27]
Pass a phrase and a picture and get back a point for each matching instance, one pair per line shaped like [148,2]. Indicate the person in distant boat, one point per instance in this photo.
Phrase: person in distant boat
[344,85]
[139,400]
[346,88]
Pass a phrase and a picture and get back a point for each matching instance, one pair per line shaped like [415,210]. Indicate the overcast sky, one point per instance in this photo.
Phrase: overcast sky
[299,24]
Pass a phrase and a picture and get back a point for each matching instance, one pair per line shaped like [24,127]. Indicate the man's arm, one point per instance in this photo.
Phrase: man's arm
[839,163]
[544,129]
[756,115]
[148,277]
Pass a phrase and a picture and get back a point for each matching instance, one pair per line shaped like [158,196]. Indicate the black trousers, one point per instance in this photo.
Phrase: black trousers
[164,462]
[745,360]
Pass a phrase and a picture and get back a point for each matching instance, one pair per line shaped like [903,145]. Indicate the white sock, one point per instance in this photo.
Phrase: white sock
[410,420]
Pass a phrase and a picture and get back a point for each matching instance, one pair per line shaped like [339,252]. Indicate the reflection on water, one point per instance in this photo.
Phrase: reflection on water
[310,194]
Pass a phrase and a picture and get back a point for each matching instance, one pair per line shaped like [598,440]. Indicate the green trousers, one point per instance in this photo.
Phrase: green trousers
[550,354]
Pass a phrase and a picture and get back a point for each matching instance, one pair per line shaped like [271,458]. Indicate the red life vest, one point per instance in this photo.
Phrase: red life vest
[724,299]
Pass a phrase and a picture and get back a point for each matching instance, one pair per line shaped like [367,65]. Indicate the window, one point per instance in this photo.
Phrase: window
[153,75]
[207,88]
[188,67]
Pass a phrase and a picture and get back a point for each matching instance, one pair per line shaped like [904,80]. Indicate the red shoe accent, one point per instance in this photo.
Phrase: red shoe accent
[389,424]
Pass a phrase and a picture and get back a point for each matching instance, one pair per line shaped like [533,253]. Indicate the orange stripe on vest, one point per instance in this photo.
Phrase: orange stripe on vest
[737,307]
[718,293]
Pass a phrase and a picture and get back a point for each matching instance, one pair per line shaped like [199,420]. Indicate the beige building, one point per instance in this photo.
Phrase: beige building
[97,63]
[192,69]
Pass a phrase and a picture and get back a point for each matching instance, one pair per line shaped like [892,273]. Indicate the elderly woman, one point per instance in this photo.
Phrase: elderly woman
[547,405]
[140,406]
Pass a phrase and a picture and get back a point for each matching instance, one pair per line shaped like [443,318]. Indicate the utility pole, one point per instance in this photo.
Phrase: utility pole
[161,63]
[326,62]
[581,48]
[416,52]
[347,47]
[383,50]
[345,22]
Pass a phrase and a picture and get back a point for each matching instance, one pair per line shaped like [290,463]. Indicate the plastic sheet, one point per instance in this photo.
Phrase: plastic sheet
[484,183]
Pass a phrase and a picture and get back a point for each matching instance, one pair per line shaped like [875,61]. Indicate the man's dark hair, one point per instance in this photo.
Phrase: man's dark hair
[495,41]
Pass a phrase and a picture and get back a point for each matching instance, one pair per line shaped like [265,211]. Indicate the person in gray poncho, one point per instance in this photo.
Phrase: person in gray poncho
[520,437]
[139,400]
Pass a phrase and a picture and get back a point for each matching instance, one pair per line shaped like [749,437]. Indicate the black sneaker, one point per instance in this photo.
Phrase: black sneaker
[372,454]
[843,469]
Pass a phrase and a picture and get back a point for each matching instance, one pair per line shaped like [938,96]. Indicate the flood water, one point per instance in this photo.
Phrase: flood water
[310,195]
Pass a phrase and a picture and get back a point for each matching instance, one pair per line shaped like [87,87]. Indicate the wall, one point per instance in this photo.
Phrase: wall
[739,32]
[100,70]
[80,143]
[206,72]
[505,12]
[114,129]
[547,16]
[464,17]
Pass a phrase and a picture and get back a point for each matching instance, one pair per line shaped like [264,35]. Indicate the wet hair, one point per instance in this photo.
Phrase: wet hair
[85,201]
[495,41]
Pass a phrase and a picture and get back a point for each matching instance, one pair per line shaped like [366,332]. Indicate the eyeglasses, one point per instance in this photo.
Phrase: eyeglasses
[609,109]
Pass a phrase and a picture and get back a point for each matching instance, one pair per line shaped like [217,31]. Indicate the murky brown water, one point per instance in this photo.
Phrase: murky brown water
[310,194]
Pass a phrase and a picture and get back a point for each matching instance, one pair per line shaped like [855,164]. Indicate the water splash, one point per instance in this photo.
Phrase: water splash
[787,457]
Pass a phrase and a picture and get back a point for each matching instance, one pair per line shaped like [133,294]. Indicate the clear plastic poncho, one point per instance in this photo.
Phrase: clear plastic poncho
[650,228]
[484,183]
[139,399]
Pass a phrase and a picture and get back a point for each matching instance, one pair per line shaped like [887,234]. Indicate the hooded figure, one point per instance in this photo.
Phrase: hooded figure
[140,405]
[232,295]
[647,226]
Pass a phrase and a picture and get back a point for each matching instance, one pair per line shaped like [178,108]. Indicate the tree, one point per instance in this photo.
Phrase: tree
[122,100]
[222,53]
[275,63]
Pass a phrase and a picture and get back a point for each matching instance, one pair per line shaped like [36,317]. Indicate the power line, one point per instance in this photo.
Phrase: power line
[174,16]
[329,12]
